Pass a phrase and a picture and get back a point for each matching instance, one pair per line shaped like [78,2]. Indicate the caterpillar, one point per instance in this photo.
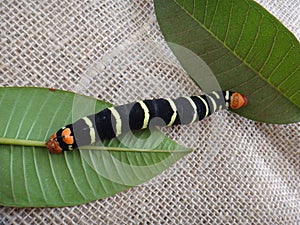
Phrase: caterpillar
[113,121]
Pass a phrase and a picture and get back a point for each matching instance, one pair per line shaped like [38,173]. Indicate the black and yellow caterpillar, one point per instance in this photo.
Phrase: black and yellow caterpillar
[114,121]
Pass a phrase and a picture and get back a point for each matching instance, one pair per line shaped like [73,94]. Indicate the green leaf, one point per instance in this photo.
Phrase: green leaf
[32,177]
[247,49]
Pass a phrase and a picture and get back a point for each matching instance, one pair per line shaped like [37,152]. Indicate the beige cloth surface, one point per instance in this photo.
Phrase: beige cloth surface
[241,172]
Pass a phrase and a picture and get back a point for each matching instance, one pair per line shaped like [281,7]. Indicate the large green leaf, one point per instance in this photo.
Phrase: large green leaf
[247,49]
[30,176]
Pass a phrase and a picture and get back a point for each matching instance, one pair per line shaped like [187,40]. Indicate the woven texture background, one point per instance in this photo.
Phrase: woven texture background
[241,172]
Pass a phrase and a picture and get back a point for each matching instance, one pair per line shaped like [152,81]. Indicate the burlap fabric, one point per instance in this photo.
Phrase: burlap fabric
[241,172]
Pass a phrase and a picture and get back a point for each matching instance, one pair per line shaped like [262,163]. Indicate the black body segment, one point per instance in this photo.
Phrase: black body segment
[160,111]
[104,122]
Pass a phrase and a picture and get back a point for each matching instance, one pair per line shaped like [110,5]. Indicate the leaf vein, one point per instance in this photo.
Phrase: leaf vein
[287,77]
[35,160]
[205,13]
[86,175]
[229,22]
[255,40]
[224,72]
[93,165]
[74,177]
[11,169]
[281,61]
[214,14]
[24,174]
[270,53]
[243,29]
[194,7]
[215,61]
[11,116]
[294,94]
[55,179]
[211,51]
[26,110]
[38,114]
[55,114]
[265,106]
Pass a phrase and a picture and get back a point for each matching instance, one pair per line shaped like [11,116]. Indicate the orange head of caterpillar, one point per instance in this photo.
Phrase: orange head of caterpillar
[53,144]
[238,100]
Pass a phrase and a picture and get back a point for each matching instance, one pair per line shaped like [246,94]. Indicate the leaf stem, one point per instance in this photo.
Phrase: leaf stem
[11,141]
